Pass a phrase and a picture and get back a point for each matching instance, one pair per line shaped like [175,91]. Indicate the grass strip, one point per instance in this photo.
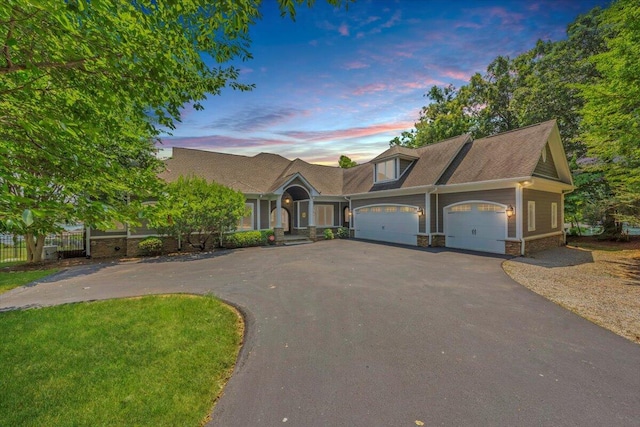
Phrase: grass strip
[13,279]
[150,361]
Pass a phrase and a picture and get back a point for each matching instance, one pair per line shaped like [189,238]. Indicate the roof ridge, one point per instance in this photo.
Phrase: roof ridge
[518,129]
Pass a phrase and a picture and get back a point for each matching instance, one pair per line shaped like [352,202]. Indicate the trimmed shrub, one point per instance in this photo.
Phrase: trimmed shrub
[244,239]
[342,233]
[328,234]
[150,246]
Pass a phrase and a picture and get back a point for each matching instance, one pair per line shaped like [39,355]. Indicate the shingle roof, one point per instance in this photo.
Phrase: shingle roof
[512,154]
[457,160]
[246,174]
[397,150]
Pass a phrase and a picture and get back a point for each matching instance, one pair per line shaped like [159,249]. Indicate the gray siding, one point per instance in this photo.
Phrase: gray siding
[412,200]
[404,164]
[547,169]
[543,201]
[141,230]
[264,213]
[505,196]
[111,233]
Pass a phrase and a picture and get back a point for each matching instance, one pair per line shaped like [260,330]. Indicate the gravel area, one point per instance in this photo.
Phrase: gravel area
[601,286]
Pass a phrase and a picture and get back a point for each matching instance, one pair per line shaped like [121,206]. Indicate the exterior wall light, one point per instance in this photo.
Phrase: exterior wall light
[420,211]
[287,200]
[510,211]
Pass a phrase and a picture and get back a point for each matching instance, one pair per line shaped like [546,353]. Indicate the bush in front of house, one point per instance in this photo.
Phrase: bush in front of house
[328,234]
[150,246]
[267,237]
[243,239]
[342,233]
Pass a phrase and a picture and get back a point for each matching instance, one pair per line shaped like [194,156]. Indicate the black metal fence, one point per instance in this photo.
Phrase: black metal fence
[68,244]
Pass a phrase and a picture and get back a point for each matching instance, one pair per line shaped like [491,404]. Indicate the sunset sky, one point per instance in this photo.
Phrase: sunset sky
[340,81]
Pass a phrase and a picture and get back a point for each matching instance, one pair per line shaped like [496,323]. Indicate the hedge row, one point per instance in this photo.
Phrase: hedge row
[245,239]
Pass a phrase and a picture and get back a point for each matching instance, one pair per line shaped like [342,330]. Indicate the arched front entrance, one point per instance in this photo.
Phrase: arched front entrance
[284,216]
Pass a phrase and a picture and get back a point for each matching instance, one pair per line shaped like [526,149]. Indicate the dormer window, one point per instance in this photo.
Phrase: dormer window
[386,171]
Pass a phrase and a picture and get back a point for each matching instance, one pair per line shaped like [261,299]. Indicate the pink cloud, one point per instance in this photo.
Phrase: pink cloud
[507,18]
[356,132]
[393,20]
[219,142]
[370,88]
[458,75]
[355,65]
[343,29]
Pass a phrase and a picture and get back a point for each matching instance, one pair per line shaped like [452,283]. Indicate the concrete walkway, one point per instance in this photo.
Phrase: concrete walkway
[349,333]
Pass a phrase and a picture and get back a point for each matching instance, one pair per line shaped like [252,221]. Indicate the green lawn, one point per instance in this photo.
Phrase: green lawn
[13,279]
[150,361]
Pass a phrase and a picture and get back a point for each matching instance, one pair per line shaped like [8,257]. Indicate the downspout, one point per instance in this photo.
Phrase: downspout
[564,232]
[427,214]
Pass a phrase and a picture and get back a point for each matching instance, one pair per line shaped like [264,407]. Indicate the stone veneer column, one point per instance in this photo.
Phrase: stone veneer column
[312,232]
[278,233]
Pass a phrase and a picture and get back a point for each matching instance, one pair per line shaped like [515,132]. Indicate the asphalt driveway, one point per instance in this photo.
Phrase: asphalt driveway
[349,333]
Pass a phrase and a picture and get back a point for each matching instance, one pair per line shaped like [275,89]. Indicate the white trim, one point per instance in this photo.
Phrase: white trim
[396,165]
[438,214]
[531,219]
[311,217]
[542,236]
[280,190]
[388,204]
[519,214]
[258,223]
[554,215]
[87,242]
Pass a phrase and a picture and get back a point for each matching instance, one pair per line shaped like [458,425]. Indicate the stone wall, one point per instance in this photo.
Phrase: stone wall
[533,246]
[128,247]
[438,241]
[423,241]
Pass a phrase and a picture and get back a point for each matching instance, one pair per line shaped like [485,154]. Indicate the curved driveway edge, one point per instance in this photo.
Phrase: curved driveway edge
[361,334]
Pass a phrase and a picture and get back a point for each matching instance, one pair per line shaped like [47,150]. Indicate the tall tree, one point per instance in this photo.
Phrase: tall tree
[195,211]
[612,109]
[87,86]
[447,115]
[346,163]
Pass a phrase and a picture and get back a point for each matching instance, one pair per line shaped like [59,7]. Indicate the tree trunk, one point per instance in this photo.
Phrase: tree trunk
[35,244]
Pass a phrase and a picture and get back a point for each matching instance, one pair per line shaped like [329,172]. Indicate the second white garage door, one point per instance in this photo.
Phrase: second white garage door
[476,226]
[387,223]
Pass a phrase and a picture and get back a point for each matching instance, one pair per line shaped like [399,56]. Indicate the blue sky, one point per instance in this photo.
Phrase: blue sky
[340,81]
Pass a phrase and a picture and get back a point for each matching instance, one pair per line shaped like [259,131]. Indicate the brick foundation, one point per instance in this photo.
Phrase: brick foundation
[533,246]
[109,248]
[352,233]
[512,248]
[423,241]
[312,233]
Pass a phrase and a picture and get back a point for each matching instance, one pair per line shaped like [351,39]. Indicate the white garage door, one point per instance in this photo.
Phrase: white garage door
[476,226]
[387,223]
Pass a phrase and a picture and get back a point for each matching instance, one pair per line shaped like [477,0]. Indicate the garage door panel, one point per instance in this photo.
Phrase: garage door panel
[394,224]
[477,226]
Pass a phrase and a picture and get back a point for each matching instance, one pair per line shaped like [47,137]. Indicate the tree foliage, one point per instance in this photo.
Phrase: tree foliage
[346,163]
[588,82]
[195,211]
[612,110]
[87,86]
